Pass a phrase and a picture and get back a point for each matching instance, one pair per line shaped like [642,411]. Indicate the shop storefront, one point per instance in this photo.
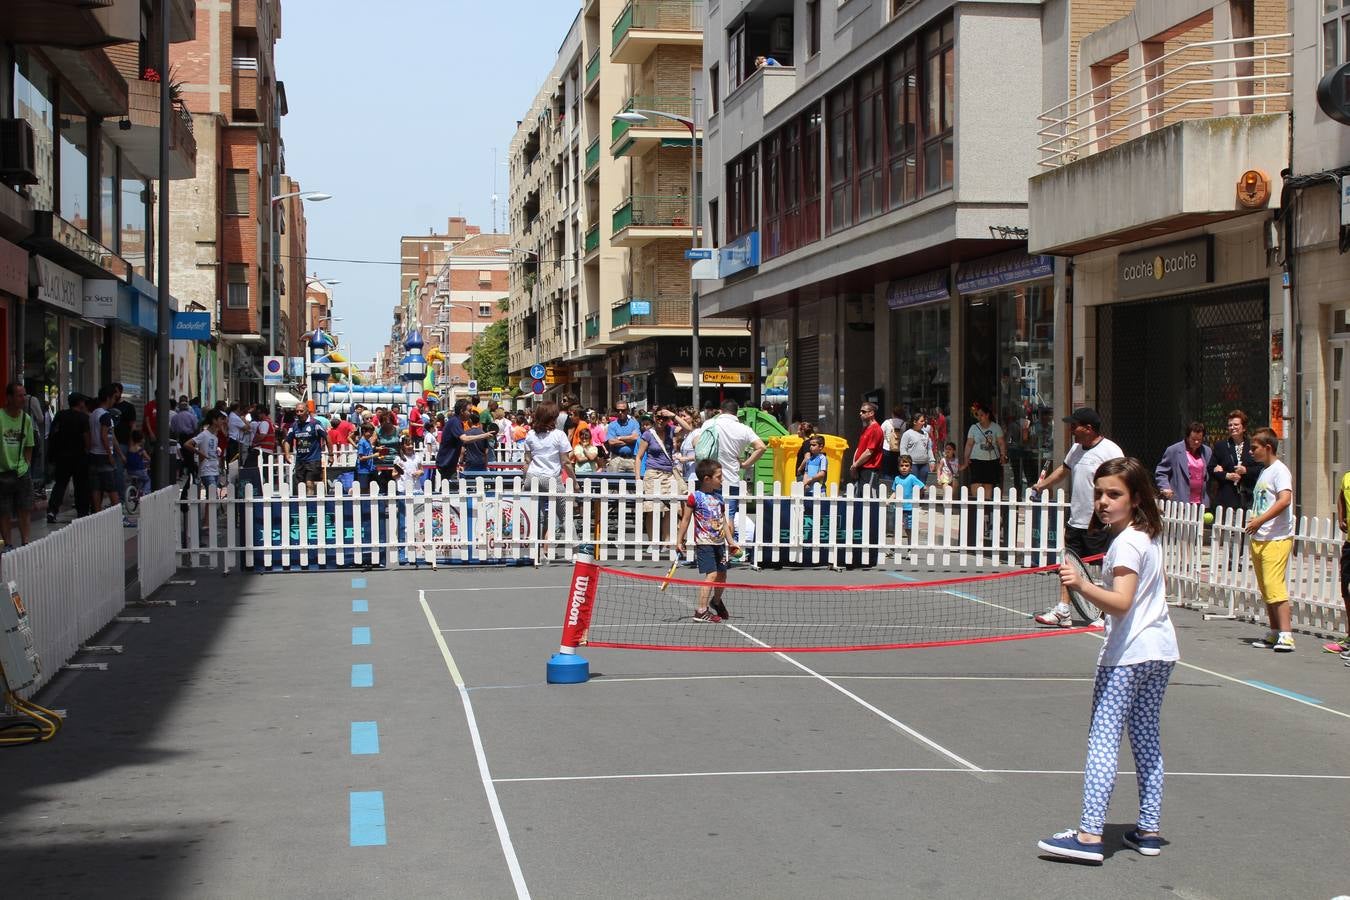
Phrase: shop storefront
[658,372]
[13,287]
[921,339]
[1009,359]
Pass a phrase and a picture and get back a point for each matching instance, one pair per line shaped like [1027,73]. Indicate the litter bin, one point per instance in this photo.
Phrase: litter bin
[834,452]
[767,426]
[784,449]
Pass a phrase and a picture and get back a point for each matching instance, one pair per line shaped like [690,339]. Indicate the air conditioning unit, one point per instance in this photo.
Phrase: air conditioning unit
[18,163]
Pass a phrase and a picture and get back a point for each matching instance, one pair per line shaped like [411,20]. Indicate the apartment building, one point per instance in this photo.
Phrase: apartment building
[603,209]
[292,280]
[80,89]
[1160,184]
[866,182]
[226,230]
[431,300]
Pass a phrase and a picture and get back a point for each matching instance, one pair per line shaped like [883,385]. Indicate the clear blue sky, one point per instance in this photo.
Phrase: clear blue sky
[395,110]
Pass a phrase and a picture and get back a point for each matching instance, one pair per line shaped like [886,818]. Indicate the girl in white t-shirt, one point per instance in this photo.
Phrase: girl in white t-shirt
[1135,664]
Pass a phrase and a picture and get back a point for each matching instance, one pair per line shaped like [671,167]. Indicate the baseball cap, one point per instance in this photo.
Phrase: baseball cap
[1084,415]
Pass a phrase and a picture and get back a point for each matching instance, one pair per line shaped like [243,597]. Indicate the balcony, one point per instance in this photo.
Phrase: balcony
[246,85]
[592,157]
[639,220]
[57,24]
[1161,147]
[140,142]
[592,71]
[661,313]
[592,331]
[645,25]
[592,240]
[627,138]
[246,15]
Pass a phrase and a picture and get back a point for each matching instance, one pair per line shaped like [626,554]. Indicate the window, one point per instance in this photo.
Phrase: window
[73,163]
[870,188]
[237,288]
[107,196]
[812,27]
[1335,33]
[35,102]
[714,88]
[939,64]
[840,105]
[485,310]
[135,211]
[736,57]
[237,192]
[743,194]
[484,276]
[712,218]
[903,109]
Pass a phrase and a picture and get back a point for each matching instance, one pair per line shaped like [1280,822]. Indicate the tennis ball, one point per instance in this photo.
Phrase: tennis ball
[1209,518]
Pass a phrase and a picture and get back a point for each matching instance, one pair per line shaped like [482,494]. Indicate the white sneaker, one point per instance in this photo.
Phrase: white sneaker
[1267,642]
[1060,616]
[1285,643]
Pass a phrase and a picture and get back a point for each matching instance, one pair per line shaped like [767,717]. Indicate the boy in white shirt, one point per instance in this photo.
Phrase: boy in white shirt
[1271,527]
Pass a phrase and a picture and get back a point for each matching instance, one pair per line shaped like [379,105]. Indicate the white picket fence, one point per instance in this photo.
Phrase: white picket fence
[506,520]
[73,583]
[158,528]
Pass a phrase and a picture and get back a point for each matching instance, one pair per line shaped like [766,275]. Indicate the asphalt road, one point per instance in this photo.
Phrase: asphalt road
[228,752]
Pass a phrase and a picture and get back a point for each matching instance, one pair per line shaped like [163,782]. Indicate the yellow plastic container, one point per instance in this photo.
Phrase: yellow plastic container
[785,450]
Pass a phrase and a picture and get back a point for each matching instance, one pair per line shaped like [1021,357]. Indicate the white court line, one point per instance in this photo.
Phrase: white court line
[811,625]
[503,835]
[524,588]
[1255,687]
[607,680]
[926,741]
[902,771]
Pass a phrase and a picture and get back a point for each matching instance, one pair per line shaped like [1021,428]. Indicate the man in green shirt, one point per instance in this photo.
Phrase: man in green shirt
[16,454]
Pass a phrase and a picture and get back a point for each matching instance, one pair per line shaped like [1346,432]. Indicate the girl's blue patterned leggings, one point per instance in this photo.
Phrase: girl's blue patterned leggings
[1124,695]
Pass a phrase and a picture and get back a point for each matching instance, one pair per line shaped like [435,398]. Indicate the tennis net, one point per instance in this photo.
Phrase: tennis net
[627,610]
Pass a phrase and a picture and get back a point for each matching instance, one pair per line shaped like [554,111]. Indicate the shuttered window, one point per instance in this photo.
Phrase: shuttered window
[237,296]
[237,184]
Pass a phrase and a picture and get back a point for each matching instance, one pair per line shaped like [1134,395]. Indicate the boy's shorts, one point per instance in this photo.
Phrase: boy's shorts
[1345,571]
[711,558]
[1270,559]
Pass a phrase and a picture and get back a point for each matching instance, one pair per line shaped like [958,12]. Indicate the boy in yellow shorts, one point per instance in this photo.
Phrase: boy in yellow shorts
[1271,527]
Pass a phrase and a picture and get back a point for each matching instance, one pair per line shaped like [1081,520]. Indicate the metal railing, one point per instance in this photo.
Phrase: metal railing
[592,239]
[593,155]
[678,106]
[592,326]
[1205,79]
[651,210]
[663,311]
[593,68]
[657,15]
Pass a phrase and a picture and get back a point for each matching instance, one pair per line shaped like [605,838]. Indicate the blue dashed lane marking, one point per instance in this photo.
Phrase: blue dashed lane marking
[1283,693]
[360,636]
[367,819]
[360,606]
[358,583]
[365,738]
[363,675]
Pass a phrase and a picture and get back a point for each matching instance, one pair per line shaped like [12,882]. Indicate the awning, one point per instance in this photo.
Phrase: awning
[287,400]
[712,378]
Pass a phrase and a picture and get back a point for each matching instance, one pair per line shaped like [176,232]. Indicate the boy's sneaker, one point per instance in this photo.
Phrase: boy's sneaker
[1149,846]
[1346,656]
[1268,641]
[51,520]
[1060,616]
[708,616]
[720,608]
[1067,845]
[1341,646]
[1285,644]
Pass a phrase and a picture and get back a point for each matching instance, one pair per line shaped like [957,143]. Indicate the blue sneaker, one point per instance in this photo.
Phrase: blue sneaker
[1067,845]
[1149,846]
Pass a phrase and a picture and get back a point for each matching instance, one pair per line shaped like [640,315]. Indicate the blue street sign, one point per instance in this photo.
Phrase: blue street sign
[701,253]
[538,385]
[537,371]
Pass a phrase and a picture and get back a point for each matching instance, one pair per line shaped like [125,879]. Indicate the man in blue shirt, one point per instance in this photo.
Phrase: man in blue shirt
[308,441]
[621,437]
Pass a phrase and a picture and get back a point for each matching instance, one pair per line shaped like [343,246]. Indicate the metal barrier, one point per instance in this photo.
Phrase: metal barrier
[73,582]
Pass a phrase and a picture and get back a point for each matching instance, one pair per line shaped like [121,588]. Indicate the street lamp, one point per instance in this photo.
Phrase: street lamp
[639,117]
[274,296]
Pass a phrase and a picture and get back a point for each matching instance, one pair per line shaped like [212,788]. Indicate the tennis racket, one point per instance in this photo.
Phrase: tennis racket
[671,574]
[1085,607]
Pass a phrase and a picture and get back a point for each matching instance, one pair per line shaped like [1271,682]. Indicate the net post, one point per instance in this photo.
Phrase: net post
[567,666]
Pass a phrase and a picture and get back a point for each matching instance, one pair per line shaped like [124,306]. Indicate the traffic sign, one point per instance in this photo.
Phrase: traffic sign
[473,386]
[537,371]
[538,385]
[496,395]
[699,253]
[524,384]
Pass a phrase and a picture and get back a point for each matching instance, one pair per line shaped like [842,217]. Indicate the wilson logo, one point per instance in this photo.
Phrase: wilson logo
[578,599]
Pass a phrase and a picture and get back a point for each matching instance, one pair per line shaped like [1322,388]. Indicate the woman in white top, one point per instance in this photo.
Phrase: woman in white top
[986,451]
[547,450]
[915,444]
[891,431]
[1135,664]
